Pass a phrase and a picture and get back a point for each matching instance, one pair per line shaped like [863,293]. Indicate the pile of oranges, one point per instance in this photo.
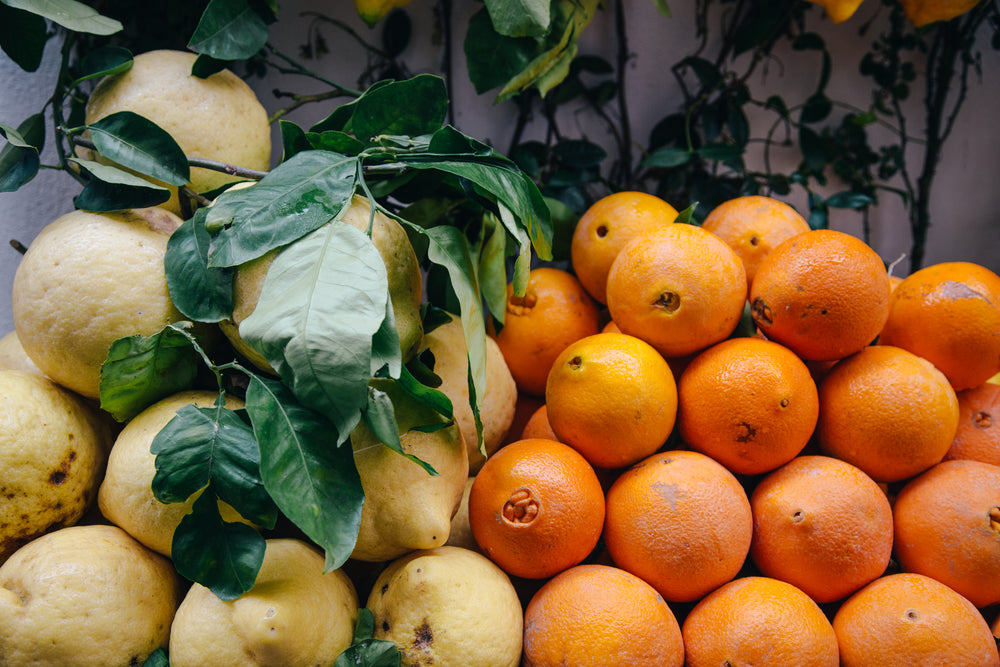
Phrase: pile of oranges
[743,443]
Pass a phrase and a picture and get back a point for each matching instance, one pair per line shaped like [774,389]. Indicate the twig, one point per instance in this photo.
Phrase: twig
[623,58]
[294,67]
[18,246]
[300,100]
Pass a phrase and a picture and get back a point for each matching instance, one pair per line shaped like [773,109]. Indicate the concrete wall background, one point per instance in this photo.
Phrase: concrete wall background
[965,222]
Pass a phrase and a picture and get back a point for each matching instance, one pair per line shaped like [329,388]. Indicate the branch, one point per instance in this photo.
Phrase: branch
[623,57]
[295,67]
[300,100]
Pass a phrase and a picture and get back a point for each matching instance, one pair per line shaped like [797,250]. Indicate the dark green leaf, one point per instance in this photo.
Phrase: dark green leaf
[224,557]
[201,292]
[686,217]
[139,144]
[449,140]
[849,199]
[19,160]
[425,389]
[491,267]
[340,119]
[397,28]
[720,152]
[314,482]
[579,153]
[386,355]
[157,658]
[365,651]
[293,140]
[380,418]
[819,218]
[229,30]
[808,41]
[295,198]
[592,64]
[322,301]
[778,104]
[70,14]
[22,37]
[336,141]
[142,370]
[816,108]
[104,61]
[112,189]
[205,66]
[519,18]
[491,58]
[668,157]
[661,6]
[812,149]
[739,126]
[708,74]
[412,107]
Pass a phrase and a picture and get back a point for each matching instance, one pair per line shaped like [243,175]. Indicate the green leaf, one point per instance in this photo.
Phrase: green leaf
[157,658]
[816,108]
[849,199]
[141,145]
[519,18]
[336,141]
[70,14]
[314,482]
[686,217]
[294,199]
[808,41]
[205,66]
[720,152]
[141,370]
[413,107]
[386,355]
[491,269]
[201,292]
[229,30]
[113,189]
[213,446]
[365,651]
[811,145]
[668,157]
[380,418]
[661,6]
[104,61]
[293,140]
[425,390]
[19,160]
[708,74]
[22,37]
[340,119]
[224,557]
[491,58]
[321,303]
[579,153]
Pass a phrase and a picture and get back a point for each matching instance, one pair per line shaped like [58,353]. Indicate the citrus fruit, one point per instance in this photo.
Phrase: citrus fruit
[823,293]
[536,508]
[758,621]
[87,280]
[605,228]
[752,226]
[749,403]
[448,606]
[949,314]
[679,521]
[839,10]
[822,525]
[613,398]
[978,434]
[887,411]
[908,619]
[600,615]
[218,117]
[554,312]
[13,357]
[538,425]
[295,615]
[923,12]
[679,288]
[88,596]
[460,534]
[947,526]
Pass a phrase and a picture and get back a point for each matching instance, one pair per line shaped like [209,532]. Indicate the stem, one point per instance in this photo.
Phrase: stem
[300,100]
[442,9]
[18,246]
[317,17]
[57,109]
[294,67]
[623,58]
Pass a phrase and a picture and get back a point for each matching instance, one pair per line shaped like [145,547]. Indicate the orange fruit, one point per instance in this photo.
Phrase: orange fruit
[605,228]
[947,526]
[554,311]
[758,621]
[824,294]
[536,508]
[681,522]
[611,327]
[822,525]
[749,403]
[949,314]
[752,226]
[679,288]
[613,398]
[887,411]
[902,620]
[600,615]
[524,407]
[538,426]
[978,434]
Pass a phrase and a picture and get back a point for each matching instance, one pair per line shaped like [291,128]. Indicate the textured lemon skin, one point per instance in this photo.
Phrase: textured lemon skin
[219,118]
[52,456]
[85,596]
[14,358]
[448,606]
[294,616]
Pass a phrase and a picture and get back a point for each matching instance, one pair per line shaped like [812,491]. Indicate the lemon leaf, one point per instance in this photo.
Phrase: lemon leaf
[137,143]
[19,160]
[519,18]
[201,292]
[22,37]
[229,30]
[69,14]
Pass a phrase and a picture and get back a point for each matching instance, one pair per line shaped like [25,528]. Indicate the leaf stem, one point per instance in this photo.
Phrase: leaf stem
[294,67]
[301,100]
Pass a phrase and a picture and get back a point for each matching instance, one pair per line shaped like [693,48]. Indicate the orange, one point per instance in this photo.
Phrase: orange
[923,12]
[978,434]
[605,228]
[822,525]
[902,620]
[947,526]
[536,508]
[758,621]
[680,288]
[681,522]
[613,398]
[887,411]
[839,10]
[611,327]
[949,314]
[554,311]
[538,426]
[600,615]
[824,294]
[749,403]
[752,226]
[524,407]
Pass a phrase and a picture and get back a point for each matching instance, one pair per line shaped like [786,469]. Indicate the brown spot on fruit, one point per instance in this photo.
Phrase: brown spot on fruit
[761,312]
[58,477]
[749,433]
[423,637]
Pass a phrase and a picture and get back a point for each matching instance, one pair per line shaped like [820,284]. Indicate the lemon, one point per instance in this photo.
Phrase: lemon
[461,530]
[448,606]
[839,10]
[13,357]
[372,11]
[125,496]
[295,615]
[219,118]
[87,280]
[85,596]
[923,12]
[51,458]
